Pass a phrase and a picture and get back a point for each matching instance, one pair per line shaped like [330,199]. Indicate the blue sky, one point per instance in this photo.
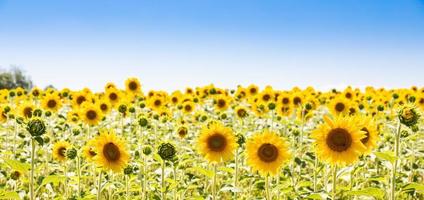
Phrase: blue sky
[173,44]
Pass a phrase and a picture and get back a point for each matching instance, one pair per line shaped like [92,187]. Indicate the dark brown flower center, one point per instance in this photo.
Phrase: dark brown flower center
[113,96]
[35,93]
[61,151]
[92,153]
[28,112]
[103,107]
[80,100]
[217,142]
[174,99]
[297,100]
[51,103]
[182,132]
[158,102]
[266,97]
[253,90]
[339,107]
[91,114]
[286,100]
[241,113]
[348,95]
[133,86]
[339,140]
[111,152]
[367,135]
[268,152]
[221,103]
[188,108]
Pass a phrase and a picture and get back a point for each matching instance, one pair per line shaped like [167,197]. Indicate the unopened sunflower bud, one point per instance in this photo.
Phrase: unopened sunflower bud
[131,110]
[224,116]
[408,115]
[15,175]
[240,139]
[415,128]
[308,106]
[142,105]
[37,112]
[128,170]
[380,108]
[271,106]
[147,150]
[36,127]
[122,108]
[412,99]
[71,153]
[48,113]
[166,151]
[395,96]
[142,122]
[6,109]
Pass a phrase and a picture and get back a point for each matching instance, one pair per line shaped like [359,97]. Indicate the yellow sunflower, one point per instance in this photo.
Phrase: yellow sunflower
[368,125]
[133,85]
[91,114]
[188,107]
[51,102]
[25,109]
[339,106]
[338,142]
[252,90]
[114,96]
[222,102]
[59,150]
[266,153]
[216,143]
[88,151]
[111,152]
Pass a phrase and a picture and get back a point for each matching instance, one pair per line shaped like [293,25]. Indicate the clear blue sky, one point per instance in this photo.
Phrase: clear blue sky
[173,44]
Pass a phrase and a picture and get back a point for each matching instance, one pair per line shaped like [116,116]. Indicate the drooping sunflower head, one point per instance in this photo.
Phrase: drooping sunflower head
[91,113]
[369,127]
[266,153]
[133,85]
[339,142]
[59,150]
[111,153]
[217,143]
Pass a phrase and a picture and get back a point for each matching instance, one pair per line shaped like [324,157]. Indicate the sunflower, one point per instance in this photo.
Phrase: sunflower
[36,92]
[59,150]
[188,107]
[88,151]
[91,114]
[241,112]
[176,97]
[297,99]
[73,116]
[267,96]
[111,152]
[25,110]
[368,125]
[222,102]
[78,98]
[284,99]
[51,102]
[216,143]
[266,152]
[339,106]
[110,85]
[182,131]
[114,96]
[339,141]
[252,90]
[284,111]
[3,114]
[156,102]
[104,106]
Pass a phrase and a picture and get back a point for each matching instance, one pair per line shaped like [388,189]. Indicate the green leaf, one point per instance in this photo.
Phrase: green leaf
[226,169]
[39,140]
[389,156]
[18,166]
[8,195]
[208,173]
[374,192]
[314,196]
[416,186]
[55,179]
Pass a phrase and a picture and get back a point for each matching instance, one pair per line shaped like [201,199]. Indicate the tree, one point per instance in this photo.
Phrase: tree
[13,78]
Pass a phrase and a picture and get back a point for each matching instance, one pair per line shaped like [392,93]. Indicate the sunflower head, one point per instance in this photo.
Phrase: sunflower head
[217,143]
[408,115]
[369,127]
[60,150]
[339,142]
[266,153]
[51,102]
[111,153]
[91,114]
[88,151]
[133,85]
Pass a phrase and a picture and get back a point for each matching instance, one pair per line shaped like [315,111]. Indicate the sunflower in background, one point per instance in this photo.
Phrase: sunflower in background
[59,150]
[51,102]
[3,114]
[156,102]
[104,106]
[133,86]
[90,113]
[338,142]
[73,116]
[78,98]
[111,153]
[252,90]
[267,95]
[368,125]
[266,152]
[297,99]
[339,106]
[114,96]
[88,151]
[217,143]
[25,109]
[36,92]
[176,97]
[188,107]
[221,102]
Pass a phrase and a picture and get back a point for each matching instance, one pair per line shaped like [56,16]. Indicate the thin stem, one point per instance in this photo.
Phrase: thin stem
[267,194]
[66,180]
[127,193]
[315,173]
[214,196]
[334,191]
[236,174]
[99,187]
[79,175]
[32,169]
[163,180]
[175,180]
[396,149]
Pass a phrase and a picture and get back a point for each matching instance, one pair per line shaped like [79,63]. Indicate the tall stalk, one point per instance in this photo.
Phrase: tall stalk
[395,163]
[32,169]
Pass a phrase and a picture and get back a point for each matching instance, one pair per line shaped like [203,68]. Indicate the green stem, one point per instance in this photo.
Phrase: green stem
[79,175]
[127,193]
[396,149]
[99,186]
[315,173]
[32,169]
[163,180]
[214,196]
[334,191]
[236,174]
[66,180]
[175,180]
[267,194]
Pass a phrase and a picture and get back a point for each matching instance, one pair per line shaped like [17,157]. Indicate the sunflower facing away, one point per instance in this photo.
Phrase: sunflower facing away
[111,152]
[338,142]
[266,153]
[59,150]
[216,143]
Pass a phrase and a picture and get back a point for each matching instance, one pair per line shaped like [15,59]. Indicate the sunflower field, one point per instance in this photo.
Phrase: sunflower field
[212,143]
